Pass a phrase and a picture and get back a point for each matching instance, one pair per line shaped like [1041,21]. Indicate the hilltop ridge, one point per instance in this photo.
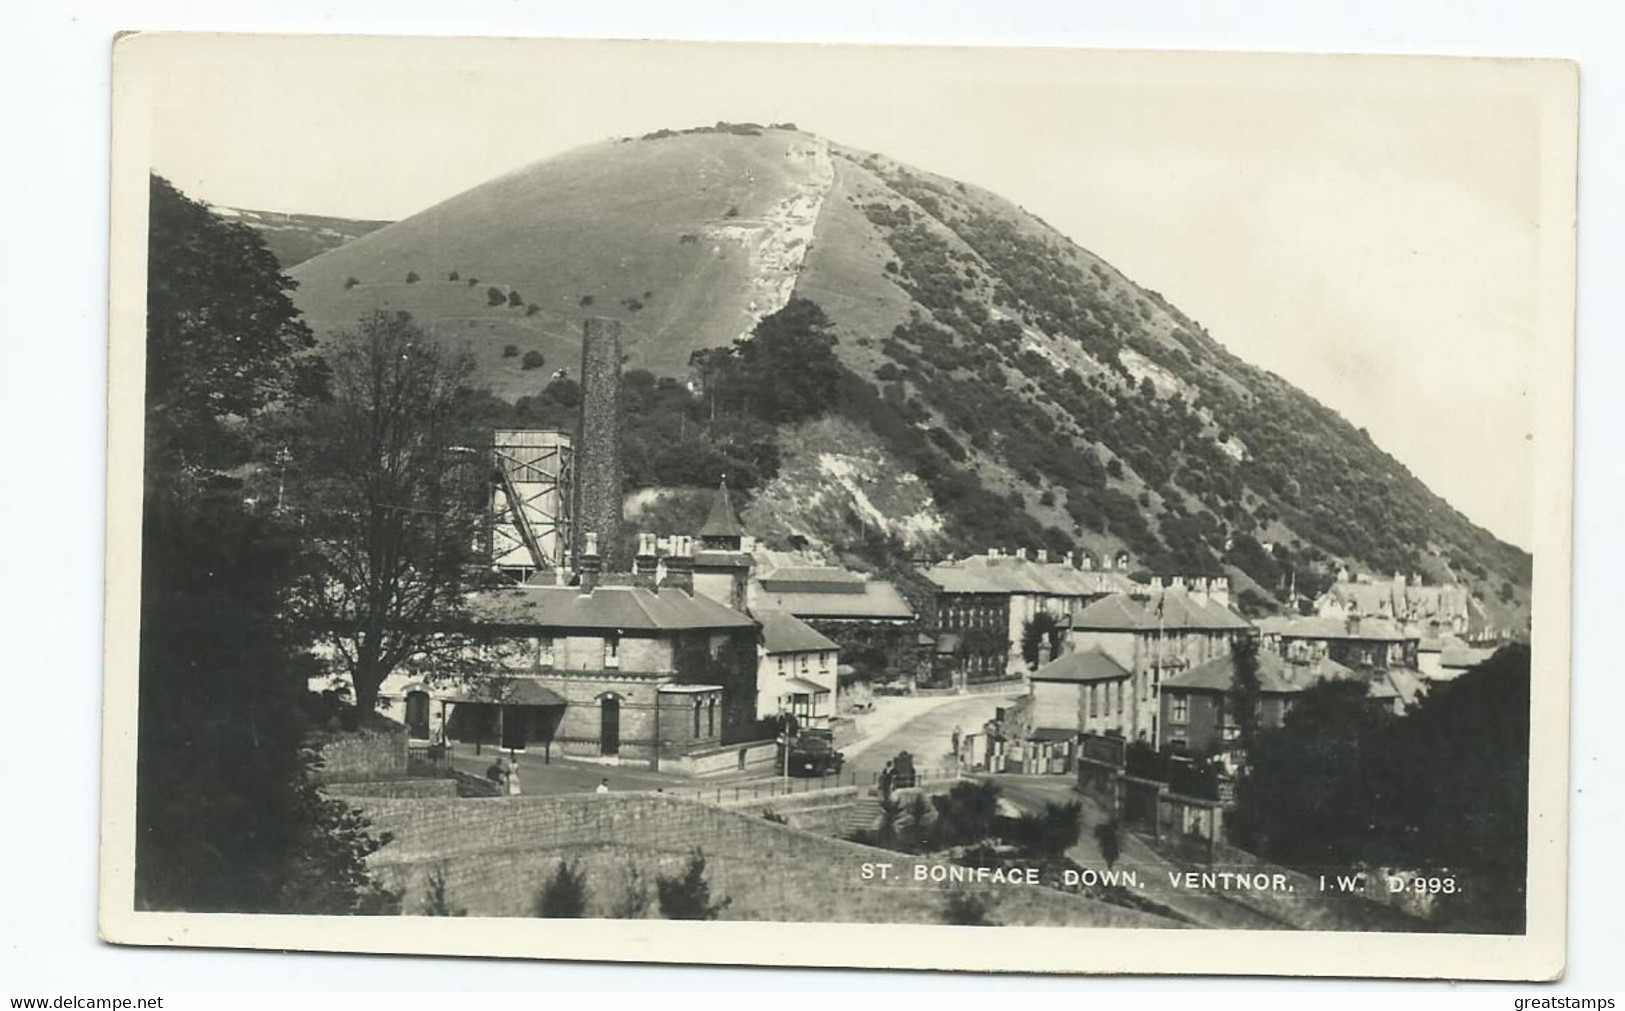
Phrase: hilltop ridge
[1040,396]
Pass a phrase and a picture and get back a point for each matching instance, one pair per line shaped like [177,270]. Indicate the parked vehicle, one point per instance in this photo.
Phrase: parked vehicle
[811,753]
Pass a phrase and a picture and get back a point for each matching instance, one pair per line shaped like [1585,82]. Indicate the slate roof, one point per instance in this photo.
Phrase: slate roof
[811,579]
[619,608]
[1276,675]
[875,598]
[1179,611]
[722,520]
[1080,667]
[785,633]
[1315,627]
[1008,574]
[1416,599]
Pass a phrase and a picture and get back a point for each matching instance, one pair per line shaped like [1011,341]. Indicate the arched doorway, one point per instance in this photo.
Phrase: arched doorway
[609,725]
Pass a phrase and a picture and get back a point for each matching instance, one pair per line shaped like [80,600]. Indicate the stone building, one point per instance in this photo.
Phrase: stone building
[1081,692]
[1000,593]
[1355,641]
[798,672]
[1155,637]
[1427,610]
[619,668]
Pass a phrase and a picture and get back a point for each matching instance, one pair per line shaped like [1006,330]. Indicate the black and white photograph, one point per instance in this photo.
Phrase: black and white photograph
[840,496]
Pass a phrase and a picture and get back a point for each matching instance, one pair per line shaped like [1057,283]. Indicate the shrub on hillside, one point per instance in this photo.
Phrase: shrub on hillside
[412,277]
[453,276]
[350,282]
[565,894]
[515,299]
[494,296]
[532,360]
[586,300]
[510,351]
[532,309]
[687,896]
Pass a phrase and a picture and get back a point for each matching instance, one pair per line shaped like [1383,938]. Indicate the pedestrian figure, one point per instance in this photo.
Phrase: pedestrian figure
[958,735]
[887,776]
[513,780]
[497,773]
[603,785]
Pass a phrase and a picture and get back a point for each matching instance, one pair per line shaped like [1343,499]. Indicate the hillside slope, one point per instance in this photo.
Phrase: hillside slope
[1042,398]
[295,238]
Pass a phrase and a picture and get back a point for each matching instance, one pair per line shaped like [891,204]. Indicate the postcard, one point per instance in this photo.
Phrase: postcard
[829,505]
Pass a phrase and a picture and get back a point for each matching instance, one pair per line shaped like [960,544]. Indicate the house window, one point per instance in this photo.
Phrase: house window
[544,651]
[1121,686]
[781,666]
[1179,708]
[1094,704]
[711,718]
[612,652]
[696,717]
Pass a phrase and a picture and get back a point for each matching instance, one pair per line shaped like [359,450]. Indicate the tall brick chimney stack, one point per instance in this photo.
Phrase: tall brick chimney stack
[598,454]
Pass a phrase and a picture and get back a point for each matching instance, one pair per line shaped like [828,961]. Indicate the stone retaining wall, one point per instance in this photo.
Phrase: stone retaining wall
[495,854]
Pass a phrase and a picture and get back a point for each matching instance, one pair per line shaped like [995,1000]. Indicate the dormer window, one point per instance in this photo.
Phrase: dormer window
[612,652]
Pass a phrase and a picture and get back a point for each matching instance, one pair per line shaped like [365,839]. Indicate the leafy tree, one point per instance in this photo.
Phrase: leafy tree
[586,301]
[1246,691]
[1308,796]
[494,296]
[965,813]
[391,500]
[510,351]
[1038,632]
[226,817]
[436,899]
[786,370]
[564,896]
[1457,792]
[687,896]
[532,309]
[515,299]
[453,276]
[224,341]
[532,360]
[412,277]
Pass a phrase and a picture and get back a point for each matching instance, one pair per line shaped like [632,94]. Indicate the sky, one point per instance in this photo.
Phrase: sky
[1367,228]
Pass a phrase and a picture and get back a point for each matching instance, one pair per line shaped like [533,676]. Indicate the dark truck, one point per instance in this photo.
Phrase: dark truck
[811,753]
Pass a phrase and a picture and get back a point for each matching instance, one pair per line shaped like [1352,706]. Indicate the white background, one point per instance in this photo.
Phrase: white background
[54,68]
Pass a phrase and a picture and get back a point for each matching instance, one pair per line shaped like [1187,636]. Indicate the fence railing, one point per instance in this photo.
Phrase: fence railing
[767,789]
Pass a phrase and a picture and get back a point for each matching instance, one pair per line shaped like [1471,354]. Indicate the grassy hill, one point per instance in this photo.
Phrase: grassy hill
[1040,397]
[295,238]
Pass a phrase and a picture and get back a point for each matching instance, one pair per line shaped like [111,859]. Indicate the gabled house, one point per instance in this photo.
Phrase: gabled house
[1155,638]
[1000,592]
[799,670]
[1081,692]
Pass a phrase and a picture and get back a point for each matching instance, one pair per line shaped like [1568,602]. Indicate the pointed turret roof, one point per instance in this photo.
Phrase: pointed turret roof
[723,522]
